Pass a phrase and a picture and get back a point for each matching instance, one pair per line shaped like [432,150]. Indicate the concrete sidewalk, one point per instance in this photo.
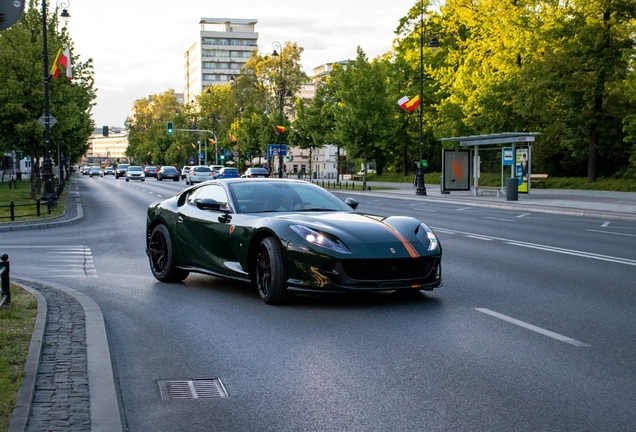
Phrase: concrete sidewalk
[69,381]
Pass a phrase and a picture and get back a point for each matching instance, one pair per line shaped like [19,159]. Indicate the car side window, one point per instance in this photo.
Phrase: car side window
[215,192]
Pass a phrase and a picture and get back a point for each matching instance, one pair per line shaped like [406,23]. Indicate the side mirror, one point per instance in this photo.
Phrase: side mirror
[208,204]
[352,203]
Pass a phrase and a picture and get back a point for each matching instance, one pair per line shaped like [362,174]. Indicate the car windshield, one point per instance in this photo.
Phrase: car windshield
[122,166]
[201,169]
[258,171]
[277,196]
[151,168]
[230,170]
[134,168]
[169,169]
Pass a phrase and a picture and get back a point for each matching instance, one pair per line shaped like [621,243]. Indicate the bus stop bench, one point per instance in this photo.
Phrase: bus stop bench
[538,179]
[490,189]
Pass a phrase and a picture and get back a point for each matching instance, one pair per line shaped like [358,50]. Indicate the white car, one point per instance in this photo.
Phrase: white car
[198,174]
[135,172]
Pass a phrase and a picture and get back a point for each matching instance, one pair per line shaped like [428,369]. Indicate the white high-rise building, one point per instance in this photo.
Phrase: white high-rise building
[218,53]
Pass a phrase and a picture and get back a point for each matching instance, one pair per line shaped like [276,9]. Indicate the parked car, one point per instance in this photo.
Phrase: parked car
[168,172]
[184,172]
[284,235]
[120,171]
[109,171]
[228,172]
[255,172]
[198,174]
[135,172]
[150,171]
[96,171]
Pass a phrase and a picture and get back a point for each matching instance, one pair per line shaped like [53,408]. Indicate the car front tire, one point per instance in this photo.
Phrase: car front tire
[270,272]
[161,256]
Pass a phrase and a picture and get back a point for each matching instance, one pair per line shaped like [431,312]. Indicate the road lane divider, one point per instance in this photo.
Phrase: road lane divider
[533,328]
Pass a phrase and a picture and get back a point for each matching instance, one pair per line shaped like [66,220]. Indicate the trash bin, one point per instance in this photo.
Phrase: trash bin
[315,175]
[18,175]
[299,174]
[512,189]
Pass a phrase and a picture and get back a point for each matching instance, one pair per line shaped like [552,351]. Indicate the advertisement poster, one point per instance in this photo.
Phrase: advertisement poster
[522,168]
[456,170]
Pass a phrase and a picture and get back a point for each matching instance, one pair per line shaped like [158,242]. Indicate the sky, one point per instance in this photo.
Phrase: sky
[137,46]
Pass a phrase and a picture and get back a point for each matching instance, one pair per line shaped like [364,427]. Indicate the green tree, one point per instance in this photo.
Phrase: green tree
[22,93]
[363,111]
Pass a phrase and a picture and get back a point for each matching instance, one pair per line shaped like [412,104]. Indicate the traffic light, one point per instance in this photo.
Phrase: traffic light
[287,159]
[170,127]
[222,157]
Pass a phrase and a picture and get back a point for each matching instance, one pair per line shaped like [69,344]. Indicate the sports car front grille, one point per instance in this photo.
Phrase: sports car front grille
[378,271]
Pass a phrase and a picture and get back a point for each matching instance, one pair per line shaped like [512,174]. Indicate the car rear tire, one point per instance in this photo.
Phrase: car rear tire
[270,272]
[161,256]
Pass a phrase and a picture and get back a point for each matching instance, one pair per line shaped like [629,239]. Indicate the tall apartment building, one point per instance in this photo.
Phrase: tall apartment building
[221,49]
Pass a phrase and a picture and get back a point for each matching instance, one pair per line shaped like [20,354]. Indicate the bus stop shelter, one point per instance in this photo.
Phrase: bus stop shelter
[475,141]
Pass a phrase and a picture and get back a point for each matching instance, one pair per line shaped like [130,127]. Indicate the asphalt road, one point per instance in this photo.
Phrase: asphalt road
[533,329]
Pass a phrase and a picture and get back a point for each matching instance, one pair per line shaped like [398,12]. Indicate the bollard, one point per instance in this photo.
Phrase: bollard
[4,276]
[512,189]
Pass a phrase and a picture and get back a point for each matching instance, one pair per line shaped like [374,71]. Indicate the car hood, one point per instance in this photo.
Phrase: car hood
[367,234]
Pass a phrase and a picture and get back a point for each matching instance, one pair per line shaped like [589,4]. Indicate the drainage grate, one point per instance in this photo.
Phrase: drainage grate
[192,389]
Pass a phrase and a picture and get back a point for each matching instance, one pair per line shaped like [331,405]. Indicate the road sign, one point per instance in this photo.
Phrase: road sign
[42,120]
[506,157]
[228,153]
[10,12]
[200,155]
[191,160]
[275,149]
[235,154]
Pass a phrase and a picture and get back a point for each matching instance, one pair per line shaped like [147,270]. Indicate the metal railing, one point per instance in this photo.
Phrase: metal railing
[37,205]
[4,277]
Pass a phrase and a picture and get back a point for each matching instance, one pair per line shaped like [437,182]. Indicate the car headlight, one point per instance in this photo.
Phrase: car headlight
[432,238]
[318,239]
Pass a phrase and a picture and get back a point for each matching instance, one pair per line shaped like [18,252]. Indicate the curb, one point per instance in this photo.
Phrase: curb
[105,412]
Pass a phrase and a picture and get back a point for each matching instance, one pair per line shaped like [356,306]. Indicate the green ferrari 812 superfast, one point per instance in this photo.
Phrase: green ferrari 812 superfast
[288,235]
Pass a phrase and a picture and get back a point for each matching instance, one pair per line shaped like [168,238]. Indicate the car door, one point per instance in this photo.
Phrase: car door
[201,234]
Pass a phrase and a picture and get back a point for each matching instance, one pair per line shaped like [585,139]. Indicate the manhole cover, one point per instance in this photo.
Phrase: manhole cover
[192,389]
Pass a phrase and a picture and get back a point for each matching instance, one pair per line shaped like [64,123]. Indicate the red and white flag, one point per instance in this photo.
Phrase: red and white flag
[402,102]
[63,58]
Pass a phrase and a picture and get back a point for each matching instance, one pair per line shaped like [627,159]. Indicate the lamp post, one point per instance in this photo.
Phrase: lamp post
[277,45]
[47,166]
[433,44]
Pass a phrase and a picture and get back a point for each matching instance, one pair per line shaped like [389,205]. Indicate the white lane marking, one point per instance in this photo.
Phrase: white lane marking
[605,224]
[464,208]
[544,247]
[523,215]
[534,328]
[610,232]
[426,210]
[500,219]
[479,237]
[575,253]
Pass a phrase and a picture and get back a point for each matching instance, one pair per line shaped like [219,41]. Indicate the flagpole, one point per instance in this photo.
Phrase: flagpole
[49,194]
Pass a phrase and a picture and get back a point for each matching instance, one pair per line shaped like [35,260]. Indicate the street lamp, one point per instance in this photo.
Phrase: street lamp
[277,45]
[433,44]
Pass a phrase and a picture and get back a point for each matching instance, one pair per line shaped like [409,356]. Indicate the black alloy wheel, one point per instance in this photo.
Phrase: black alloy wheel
[161,256]
[270,272]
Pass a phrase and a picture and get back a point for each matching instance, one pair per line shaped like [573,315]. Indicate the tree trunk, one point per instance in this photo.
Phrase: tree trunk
[364,176]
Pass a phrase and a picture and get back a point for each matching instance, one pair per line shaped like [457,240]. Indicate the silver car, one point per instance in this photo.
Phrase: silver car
[198,174]
[135,172]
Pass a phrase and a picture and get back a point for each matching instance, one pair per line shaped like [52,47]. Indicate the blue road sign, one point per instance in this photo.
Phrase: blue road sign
[200,155]
[275,149]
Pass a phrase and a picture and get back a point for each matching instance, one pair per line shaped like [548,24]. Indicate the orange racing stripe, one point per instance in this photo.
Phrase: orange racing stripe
[409,248]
